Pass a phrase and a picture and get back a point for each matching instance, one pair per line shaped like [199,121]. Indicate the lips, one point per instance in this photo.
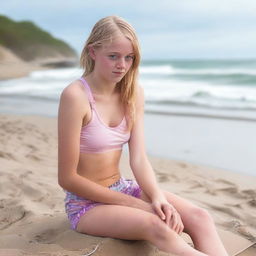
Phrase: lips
[118,73]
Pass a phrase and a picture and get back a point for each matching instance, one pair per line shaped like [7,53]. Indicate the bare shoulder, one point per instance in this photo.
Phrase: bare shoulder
[74,100]
[73,91]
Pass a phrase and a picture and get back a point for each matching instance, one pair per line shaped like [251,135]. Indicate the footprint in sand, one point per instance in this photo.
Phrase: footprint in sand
[252,202]
[249,193]
[31,191]
[229,190]
[10,213]
[204,186]
[234,191]
[31,147]
[25,174]
[239,205]
[33,157]
[182,165]
[47,236]
[239,228]
[7,155]
[227,210]
[225,182]
[164,177]
[195,184]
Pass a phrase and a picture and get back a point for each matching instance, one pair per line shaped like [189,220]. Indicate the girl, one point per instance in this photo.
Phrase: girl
[98,114]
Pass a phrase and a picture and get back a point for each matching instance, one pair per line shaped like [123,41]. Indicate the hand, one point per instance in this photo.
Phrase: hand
[168,214]
[172,218]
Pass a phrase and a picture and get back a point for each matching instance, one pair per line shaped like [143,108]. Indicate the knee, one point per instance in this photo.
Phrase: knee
[156,229]
[200,218]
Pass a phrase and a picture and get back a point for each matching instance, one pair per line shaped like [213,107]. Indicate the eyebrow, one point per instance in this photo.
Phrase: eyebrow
[126,54]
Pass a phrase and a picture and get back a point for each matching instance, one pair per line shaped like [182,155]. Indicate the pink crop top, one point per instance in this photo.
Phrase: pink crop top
[96,136]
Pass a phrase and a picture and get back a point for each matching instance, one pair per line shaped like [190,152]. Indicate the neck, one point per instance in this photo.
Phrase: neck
[100,86]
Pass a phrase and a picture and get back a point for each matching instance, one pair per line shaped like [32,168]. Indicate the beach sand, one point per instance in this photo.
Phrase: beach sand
[32,217]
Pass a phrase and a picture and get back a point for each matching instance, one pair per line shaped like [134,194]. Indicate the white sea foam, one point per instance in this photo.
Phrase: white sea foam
[216,72]
[160,84]
[201,93]
[165,69]
[170,70]
[56,74]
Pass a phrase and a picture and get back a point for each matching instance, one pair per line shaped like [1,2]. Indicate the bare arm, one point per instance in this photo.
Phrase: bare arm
[139,162]
[73,108]
[143,171]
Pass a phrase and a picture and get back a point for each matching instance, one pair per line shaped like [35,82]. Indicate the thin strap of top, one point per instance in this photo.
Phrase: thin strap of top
[88,89]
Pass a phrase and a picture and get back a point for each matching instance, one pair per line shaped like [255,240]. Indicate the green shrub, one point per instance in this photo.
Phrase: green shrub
[30,42]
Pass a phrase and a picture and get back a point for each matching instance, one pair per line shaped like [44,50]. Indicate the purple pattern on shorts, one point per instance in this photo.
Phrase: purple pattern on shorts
[77,206]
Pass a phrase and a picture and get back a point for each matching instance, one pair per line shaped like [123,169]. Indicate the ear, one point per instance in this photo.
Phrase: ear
[91,51]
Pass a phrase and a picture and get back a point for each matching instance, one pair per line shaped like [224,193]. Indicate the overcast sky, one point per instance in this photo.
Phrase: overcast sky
[174,29]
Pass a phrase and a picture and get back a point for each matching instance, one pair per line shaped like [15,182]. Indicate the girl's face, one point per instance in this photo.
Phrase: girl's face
[113,60]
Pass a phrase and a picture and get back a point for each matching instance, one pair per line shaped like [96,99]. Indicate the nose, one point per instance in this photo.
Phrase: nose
[121,63]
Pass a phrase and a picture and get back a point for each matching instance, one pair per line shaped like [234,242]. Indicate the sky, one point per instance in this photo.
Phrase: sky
[167,29]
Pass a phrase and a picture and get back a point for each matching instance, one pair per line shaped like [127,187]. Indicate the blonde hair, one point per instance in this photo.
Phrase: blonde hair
[105,31]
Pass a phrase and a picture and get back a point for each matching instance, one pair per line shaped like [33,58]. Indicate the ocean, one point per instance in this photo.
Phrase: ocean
[222,88]
[204,90]
[201,87]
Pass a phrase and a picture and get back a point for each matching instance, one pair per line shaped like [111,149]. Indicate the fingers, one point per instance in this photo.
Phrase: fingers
[177,223]
[173,219]
[170,216]
[159,212]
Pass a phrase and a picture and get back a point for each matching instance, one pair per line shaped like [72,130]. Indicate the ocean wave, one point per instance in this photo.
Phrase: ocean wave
[57,74]
[171,70]
[204,100]
[238,97]
[164,84]
[162,70]
[217,72]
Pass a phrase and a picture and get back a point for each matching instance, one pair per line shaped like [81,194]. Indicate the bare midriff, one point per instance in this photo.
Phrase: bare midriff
[101,168]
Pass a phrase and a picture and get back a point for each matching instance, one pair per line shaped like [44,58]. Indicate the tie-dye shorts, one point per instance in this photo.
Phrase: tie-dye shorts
[77,206]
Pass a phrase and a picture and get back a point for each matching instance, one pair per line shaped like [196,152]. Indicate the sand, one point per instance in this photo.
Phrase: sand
[11,66]
[32,217]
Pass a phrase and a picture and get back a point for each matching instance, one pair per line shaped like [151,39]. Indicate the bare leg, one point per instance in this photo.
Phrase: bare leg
[199,225]
[134,224]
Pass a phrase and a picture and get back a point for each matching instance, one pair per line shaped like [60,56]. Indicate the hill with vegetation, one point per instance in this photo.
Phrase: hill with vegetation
[30,43]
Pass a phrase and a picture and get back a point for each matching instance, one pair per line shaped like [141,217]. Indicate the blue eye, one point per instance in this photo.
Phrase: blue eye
[129,57]
[112,56]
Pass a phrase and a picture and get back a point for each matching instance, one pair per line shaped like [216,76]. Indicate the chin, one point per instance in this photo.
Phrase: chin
[117,79]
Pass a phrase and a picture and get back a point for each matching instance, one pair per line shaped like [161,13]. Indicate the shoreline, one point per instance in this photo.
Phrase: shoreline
[32,217]
[196,140]
[193,112]
[201,115]
[217,143]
